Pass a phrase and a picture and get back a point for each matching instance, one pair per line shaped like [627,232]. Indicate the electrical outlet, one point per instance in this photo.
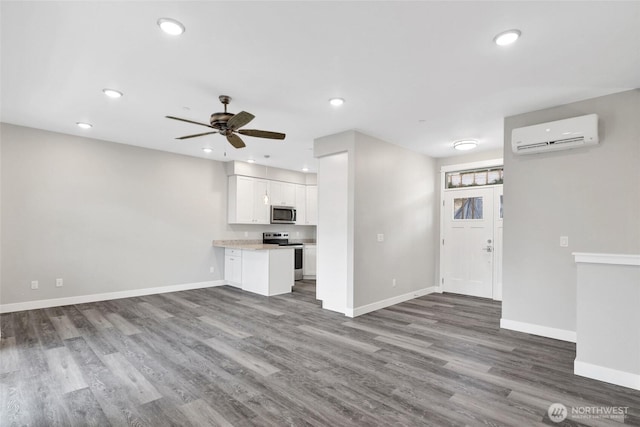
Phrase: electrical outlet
[34,284]
[393,283]
[212,269]
[564,241]
[58,283]
[380,237]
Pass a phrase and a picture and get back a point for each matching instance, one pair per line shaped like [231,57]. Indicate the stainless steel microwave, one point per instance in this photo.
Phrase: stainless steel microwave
[283,215]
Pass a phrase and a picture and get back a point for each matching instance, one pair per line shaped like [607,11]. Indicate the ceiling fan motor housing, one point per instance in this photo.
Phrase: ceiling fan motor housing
[219,120]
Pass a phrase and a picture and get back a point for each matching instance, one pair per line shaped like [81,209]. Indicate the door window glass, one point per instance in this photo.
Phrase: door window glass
[467,208]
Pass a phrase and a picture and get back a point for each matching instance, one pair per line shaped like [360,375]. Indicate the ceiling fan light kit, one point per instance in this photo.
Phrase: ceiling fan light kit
[229,124]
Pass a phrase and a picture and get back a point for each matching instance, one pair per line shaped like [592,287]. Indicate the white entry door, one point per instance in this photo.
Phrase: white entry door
[468,241]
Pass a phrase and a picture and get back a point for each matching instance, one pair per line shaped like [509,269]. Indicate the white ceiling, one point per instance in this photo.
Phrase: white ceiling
[416,74]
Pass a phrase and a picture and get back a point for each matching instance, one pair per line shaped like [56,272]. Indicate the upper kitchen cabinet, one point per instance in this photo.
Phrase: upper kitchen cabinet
[312,205]
[282,193]
[301,204]
[246,200]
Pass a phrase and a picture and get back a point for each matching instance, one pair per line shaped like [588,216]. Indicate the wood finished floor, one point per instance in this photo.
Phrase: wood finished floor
[220,356]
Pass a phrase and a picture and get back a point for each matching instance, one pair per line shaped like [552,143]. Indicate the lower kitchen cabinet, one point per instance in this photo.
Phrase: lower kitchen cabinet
[309,263]
[233,267]
[262,271]
[267,272]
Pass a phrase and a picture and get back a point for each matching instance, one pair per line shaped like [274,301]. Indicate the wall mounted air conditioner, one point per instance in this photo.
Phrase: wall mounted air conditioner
[553,136]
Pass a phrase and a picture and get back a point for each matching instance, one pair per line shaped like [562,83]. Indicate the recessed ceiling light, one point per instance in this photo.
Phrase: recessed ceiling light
[336,102]
[465,144]
[82,125]
[507,37]
[112,93]
[171,26]
[305,169]
[207,150]
[251,161]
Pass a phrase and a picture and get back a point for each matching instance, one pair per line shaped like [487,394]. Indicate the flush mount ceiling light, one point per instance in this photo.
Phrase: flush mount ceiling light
[171,26]
[465,144]
[305,169]
[83,125]
[507,37]
[112,93]
[336,102]
[207,150]
[251,161]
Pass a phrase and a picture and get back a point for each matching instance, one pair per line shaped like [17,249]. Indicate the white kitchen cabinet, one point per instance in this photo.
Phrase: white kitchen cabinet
[282,193]
[246,201]
[309,263]
[267,272]
[233,267]
[301,204]
[312,205]
[262,271]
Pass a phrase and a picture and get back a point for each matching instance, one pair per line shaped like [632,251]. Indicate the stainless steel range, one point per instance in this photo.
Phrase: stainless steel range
[282,239]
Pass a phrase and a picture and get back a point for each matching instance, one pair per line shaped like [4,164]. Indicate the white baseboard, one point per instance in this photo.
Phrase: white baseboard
[543,331]
[81,299]
[612,376]
[358,311]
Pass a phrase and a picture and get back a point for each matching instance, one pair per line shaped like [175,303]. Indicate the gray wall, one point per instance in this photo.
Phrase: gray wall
[108,217]
[607,325]
[394,195]
[590,194]
[390,191]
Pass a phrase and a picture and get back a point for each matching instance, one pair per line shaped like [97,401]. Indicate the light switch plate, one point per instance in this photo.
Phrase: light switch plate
[380,237]
[564,241]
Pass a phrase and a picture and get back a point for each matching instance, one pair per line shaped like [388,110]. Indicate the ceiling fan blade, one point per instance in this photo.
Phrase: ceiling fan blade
[189,121]
[261,133]
[239,120]
[235,140]
[198,134]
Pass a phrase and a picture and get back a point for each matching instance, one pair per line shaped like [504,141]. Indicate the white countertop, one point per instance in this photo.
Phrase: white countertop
[249,246]
[252,245]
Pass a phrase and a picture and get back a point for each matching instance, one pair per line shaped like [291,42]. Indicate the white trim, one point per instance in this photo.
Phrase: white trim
[358,311]
[81,299]
[472,165]
[543,331]
[618,259]
[601,373]
[329,307]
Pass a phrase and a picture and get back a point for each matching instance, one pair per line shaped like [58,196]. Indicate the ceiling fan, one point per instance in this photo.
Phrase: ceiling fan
[228,124]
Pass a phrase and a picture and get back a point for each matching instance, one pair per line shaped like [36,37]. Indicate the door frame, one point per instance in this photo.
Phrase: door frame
[497,293]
